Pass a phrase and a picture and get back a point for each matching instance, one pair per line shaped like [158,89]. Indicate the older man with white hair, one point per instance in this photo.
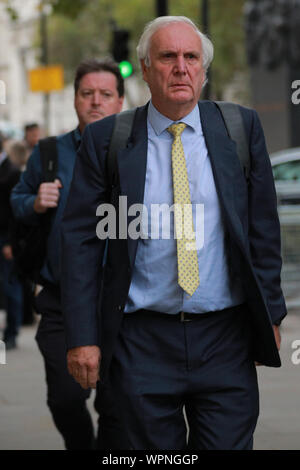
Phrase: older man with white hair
[180,323]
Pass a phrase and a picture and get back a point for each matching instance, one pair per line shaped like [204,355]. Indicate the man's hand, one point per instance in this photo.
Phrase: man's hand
[277,339]
[83,365]
[47,196]
[277,336]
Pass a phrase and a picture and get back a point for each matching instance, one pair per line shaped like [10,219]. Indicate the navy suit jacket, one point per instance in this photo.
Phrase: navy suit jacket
[94,297]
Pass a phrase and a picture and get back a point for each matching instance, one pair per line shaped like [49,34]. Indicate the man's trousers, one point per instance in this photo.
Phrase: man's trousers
[163,366]
[67,400]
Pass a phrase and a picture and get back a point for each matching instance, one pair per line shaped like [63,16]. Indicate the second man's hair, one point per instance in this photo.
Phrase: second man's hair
[93,65]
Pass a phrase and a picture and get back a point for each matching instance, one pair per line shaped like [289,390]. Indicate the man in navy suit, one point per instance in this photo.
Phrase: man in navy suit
[99,92]
[175,330]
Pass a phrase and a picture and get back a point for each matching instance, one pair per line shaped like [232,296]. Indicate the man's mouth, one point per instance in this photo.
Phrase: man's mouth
[95,113]
[179,85]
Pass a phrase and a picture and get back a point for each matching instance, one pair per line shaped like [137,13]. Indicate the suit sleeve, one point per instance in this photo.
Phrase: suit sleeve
[24,193]
[82,251]
[264,227]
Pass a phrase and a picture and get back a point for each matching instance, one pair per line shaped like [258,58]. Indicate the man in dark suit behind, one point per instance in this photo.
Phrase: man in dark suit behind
[182,319]
[98,92]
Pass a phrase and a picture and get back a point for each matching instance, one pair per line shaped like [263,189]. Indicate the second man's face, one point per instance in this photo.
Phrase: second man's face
[97,97]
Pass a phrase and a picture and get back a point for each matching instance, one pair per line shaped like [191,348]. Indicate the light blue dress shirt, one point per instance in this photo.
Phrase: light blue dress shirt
[154,283]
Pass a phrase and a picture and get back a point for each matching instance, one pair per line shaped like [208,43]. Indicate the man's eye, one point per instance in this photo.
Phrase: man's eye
[168,55]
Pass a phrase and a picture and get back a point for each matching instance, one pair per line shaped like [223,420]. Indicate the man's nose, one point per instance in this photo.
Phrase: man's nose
[180,65]
[96,100]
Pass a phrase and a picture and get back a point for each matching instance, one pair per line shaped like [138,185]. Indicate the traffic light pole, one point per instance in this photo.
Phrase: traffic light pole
[161,7]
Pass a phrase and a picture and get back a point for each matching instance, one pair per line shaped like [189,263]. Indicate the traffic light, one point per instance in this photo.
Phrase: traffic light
[120,51]
[126,68]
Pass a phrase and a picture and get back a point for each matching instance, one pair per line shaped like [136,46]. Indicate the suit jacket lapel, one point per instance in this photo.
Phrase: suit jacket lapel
[132,164]
[225,165]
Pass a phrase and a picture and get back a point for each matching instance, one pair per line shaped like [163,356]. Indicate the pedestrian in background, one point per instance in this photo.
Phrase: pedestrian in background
[11,286]
[19,152]
[99,92]
[32,135]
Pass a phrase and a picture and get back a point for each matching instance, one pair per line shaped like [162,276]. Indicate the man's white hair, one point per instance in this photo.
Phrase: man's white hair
[162,21]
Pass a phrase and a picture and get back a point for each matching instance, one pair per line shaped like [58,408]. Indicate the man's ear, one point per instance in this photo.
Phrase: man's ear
[203,80]
[144,70]
[121,100]
[75,100]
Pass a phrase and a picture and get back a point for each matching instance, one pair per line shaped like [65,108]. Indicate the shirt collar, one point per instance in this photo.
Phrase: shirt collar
[159,122]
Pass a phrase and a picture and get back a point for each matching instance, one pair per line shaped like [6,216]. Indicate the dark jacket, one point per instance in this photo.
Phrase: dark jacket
[24,194]
[250,218]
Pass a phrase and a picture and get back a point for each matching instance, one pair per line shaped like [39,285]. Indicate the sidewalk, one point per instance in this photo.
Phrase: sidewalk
[25,422]
[279,424]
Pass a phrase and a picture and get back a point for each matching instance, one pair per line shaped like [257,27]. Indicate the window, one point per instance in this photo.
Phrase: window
[288,171]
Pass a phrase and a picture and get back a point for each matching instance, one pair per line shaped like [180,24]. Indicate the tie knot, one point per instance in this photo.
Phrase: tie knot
[176,129]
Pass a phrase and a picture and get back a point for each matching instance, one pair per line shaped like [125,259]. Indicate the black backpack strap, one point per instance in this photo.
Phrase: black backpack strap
[49,161]
[235,127]
[49,158]
[120,135]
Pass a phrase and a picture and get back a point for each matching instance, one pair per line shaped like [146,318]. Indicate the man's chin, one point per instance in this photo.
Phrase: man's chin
[181,99]
[95,117]
[181,95]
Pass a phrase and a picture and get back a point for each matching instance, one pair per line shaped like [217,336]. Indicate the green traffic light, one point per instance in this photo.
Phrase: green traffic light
[125,68]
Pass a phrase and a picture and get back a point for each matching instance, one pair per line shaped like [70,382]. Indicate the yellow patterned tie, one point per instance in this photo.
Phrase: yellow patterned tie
[188,272]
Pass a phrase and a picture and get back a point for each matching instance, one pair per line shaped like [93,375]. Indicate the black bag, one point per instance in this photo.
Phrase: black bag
[29,242]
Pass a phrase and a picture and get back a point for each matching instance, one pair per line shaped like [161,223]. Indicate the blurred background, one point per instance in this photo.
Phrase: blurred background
[61,33]
[256,64]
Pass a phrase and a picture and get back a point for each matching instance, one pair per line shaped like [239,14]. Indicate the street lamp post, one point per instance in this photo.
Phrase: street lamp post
[161,7]
[44,60]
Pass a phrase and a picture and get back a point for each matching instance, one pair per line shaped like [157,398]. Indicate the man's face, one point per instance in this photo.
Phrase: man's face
[97,97]
[175,75]
[33,136]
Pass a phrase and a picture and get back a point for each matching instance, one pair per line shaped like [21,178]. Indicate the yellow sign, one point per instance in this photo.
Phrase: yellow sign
[46,79]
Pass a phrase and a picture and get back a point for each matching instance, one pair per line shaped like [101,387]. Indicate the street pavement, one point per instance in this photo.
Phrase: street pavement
[26,423]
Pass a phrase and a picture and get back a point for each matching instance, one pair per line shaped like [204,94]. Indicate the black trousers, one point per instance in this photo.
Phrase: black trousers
[67,399]
[162,366]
